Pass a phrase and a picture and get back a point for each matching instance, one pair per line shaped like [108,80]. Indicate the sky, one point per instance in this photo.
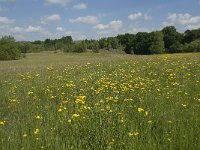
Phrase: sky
[29,20]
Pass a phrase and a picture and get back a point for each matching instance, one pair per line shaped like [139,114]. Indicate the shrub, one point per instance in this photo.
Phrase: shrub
[194,46]
[9,49]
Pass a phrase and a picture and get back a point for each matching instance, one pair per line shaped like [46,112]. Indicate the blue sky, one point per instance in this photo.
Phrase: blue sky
[41,19]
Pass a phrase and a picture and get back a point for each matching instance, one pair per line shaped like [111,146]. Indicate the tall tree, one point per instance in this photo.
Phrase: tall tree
[156,43]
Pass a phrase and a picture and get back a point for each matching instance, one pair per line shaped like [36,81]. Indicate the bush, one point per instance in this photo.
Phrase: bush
[9,49]
[95,47]
[77,47]
[194,46]
[177,47]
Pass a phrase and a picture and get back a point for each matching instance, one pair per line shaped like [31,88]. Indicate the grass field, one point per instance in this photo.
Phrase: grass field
[100,101]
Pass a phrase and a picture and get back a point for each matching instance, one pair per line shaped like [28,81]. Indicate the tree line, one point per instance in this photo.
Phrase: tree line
[168,40]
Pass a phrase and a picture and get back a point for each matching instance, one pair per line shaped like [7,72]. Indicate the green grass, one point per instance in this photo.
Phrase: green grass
[98,101]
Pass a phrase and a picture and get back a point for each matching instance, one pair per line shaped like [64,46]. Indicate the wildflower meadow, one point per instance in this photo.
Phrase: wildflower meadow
[139,102]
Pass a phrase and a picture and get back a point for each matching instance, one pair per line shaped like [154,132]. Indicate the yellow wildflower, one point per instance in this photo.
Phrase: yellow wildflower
[140,109]
[59,110]
[2,122]
[36,131]
[184,105]
[30,92]
[75,115]
[133,134]
[38,117]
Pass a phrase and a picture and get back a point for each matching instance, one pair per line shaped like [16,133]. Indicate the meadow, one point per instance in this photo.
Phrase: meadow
[100,101]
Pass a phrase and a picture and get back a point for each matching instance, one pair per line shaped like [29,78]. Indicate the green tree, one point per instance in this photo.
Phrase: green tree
[141,43]
[114,43]
[191,35]
[177,47]
[9,49]
[194,46]
[95,46]
[171,37]
[103,43]
[157,44]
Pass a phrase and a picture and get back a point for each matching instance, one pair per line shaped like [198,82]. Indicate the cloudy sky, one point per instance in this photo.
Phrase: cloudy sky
[41,19]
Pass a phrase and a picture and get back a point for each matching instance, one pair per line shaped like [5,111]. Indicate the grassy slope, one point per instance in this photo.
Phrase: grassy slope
[38,61]
[124,102]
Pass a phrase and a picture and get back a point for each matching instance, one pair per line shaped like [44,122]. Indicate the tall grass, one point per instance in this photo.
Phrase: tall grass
[145,103]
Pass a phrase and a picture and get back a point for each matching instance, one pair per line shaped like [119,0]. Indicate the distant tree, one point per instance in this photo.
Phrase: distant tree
[156,43]
[194,46]
[77,47]
[171,37]
[191,35]
[114,43]
[177,47]
[24,47]
[141,43]
[103,43]
[125,39]
[95,46]
[108,44]
[9,49]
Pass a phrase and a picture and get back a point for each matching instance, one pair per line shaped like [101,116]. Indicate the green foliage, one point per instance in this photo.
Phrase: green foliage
[102,43]
[126,39]
[192,35]
[194,46]
[95,47]
[177,47]
[57,44]
[77,47]
[142,43]
[156,43]
[24,46]
[9,49]
[35,48]
[171,36]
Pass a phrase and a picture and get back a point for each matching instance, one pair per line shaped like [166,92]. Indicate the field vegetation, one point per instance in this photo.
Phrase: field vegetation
[100,101]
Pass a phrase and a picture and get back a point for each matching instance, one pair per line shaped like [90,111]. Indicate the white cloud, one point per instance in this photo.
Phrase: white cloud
[111,29]
[34,29]
[60,29]
[113,25]
[85,20]
[186,19]
[6,21]
[193,26]
[138,15]
[76,35]
[135,16]
[165,23]
[116,24]
[101,27]
[80,6]
[60,2]
[172,17]
[147,17]
[51,18]
[29,29]
[17,29]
